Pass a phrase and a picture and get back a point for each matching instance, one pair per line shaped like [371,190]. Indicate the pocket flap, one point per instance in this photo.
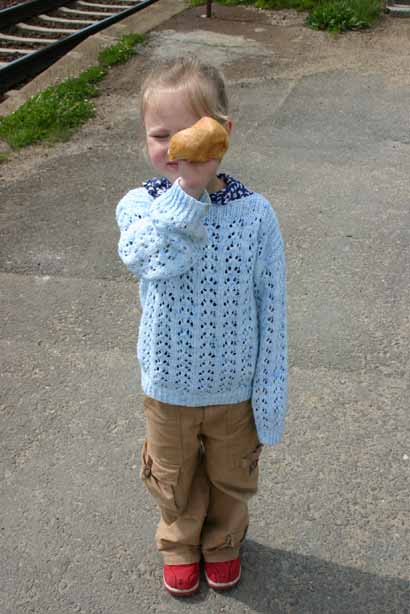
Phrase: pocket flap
[168,474]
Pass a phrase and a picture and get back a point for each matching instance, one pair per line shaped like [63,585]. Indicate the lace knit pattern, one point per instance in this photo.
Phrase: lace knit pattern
[213,293]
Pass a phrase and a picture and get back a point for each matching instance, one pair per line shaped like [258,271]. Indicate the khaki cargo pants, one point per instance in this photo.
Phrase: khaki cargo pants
[201,465]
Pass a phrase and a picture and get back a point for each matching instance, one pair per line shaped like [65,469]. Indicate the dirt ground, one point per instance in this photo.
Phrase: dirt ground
[292,49]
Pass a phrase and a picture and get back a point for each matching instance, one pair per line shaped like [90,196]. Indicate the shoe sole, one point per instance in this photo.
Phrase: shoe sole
[222,586]
[177,592]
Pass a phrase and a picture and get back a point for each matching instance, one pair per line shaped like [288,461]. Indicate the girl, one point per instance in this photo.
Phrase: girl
[212,343]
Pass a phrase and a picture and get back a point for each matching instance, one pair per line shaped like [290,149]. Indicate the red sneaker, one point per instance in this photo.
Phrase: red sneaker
[223,576]
[181,580]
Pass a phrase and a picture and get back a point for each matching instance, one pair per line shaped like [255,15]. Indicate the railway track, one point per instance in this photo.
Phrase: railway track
[36,34]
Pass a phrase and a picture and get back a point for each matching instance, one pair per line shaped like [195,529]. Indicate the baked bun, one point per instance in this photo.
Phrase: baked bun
[203,141]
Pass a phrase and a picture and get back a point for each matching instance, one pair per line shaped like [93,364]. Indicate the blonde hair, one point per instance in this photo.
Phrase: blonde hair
[202,83]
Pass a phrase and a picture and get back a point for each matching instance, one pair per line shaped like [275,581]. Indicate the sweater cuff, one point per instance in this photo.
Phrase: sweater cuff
[177,208]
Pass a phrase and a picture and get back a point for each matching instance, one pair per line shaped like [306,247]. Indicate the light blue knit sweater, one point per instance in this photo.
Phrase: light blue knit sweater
[213,294]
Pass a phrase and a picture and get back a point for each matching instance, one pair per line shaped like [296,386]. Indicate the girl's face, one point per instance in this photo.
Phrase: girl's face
[169,114]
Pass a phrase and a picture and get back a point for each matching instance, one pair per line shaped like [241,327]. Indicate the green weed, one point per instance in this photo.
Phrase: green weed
[57,112]
[342,15]
[122,51]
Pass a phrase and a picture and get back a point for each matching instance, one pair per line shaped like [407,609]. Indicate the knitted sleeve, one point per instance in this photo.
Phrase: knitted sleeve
[161,238]
[270,383]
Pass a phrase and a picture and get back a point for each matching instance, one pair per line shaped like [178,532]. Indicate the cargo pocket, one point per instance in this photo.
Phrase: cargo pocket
[161,481]
[250,461]
[248,474]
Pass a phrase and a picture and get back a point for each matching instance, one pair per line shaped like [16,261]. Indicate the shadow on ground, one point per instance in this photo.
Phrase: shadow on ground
[289,583]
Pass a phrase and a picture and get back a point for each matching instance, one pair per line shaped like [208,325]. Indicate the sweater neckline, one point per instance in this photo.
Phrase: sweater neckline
[233,190]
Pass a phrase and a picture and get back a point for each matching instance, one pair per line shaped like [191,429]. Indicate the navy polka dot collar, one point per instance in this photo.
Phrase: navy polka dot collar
[234,189]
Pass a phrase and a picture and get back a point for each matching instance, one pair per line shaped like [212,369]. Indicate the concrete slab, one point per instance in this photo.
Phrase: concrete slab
[315,132]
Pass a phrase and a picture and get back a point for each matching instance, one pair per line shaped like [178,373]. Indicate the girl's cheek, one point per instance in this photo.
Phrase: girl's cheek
[161,151]
[155,153]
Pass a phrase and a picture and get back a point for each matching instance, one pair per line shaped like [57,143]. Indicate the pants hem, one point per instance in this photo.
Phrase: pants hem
[181,558]
[220,556]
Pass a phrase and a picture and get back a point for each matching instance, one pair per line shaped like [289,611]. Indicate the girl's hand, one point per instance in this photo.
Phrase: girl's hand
[196,176]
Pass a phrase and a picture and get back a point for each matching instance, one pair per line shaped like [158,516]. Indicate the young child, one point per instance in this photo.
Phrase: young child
[212,343]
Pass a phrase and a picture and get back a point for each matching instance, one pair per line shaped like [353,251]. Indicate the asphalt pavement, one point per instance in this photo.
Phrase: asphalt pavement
[321,127]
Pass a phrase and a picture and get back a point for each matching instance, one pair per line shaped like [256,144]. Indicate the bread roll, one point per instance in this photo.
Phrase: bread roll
[204,140]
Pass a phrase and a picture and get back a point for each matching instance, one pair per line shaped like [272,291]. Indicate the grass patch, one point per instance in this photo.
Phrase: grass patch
[53,114]
[342,15]
[122,51]
[57,112]
[331,15]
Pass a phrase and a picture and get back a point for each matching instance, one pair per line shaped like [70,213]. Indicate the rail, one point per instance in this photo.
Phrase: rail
[34,62]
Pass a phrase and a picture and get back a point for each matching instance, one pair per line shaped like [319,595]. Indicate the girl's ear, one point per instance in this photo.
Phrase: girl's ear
[228,125]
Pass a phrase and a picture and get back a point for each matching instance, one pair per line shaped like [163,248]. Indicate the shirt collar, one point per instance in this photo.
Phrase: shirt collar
[234,189]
